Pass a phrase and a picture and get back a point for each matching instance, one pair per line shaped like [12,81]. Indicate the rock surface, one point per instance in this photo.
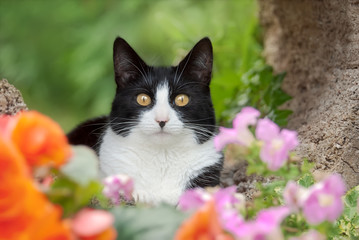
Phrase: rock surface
[11,100]
[317,43]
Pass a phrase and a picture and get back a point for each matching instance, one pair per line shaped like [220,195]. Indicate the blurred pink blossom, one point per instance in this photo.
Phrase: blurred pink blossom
[240,133]
[226,200]
[277,144]
[226,197]
[117,186]
[294,195]
[193,199]
[228,203]
[265,226]
[90,222]
[7,124]
[311,235]
[324,201]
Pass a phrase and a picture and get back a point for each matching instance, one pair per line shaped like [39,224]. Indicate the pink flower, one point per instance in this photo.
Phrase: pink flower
[266,225]
[226,197]
[240,133]
[193,199]
[294,195]
[324,201]
[93,224]
[116,186]
[226,201]
[277,144]
[7,124]
[311,235]
[231,220]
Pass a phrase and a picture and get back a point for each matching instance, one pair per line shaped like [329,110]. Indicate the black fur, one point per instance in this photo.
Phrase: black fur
[208,178]
[89,133]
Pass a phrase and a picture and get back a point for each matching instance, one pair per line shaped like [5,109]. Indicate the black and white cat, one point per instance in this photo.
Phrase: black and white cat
[161,127]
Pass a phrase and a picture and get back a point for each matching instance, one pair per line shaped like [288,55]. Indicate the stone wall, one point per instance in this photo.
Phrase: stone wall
[317,43]
[11,100]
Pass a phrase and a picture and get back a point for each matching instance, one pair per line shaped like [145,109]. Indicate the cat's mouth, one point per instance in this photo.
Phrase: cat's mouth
[162,133]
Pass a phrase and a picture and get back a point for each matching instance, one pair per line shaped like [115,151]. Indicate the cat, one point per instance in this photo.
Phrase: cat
[161,126]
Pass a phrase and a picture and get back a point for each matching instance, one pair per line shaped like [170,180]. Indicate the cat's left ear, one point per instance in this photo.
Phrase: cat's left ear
[198,62]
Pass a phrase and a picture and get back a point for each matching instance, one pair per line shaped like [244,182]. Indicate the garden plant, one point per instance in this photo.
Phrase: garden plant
[52,191]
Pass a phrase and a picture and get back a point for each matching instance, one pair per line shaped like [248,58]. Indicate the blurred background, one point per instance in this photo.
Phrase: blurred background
[59,53]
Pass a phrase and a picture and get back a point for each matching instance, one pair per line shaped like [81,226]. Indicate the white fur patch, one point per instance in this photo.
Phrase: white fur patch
[161,161]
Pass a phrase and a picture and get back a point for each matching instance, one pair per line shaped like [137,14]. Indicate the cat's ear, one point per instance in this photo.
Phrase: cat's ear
[127,64]
[198,62]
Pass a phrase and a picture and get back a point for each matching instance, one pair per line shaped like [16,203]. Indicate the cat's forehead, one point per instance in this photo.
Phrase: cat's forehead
[162,74]
[160,77]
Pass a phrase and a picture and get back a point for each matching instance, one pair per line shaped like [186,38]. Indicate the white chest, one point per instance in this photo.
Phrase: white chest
[160,171]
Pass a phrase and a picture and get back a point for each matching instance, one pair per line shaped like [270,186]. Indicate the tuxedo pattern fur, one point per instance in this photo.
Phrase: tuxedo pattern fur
[165,147]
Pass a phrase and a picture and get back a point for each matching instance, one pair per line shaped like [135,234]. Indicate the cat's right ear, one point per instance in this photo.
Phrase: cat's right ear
[127,64]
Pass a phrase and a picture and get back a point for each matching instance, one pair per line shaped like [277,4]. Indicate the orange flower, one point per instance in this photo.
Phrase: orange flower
[50,226]
[14,179]
[23,209]
[203,225]
[12,163]
[40,140]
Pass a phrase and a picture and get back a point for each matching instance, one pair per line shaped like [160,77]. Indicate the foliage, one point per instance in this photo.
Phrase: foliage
[59,53]
[261,89]
[137,223]
[348,224]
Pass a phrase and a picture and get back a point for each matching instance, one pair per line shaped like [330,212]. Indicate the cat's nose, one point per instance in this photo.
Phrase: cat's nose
[162,123]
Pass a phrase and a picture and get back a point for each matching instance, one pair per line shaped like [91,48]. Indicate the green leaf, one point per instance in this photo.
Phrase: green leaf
[347,226]
[350,201]
[83,166]
[306,181]
[307,166]
[72,196]
[260,89]
[138,223]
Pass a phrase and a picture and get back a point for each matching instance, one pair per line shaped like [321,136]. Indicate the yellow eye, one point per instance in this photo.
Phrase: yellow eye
[143,99]
[181,100]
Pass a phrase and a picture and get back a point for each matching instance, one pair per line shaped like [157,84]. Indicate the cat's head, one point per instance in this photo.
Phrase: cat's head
[163,103]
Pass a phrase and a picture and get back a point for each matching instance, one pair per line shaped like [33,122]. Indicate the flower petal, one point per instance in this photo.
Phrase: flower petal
[40,140]
[203,224]
[290,138]
[90,222]
[225,136]
[193,199]
[266,130]
[267,221]
[247,116]
[325,200]
[335,184]
[225,198]
[117,186]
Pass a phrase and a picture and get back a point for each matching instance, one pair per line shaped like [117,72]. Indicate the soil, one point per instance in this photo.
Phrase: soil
[317,43]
